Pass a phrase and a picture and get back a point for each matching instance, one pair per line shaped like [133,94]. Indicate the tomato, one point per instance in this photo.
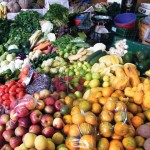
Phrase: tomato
[7,90]
[18,90]
[1,100]
[12,92]
[10,83]
[5,96]
[25,70]
[20,95]
[7,103]
[13,88]
[19,84]
[2,92]
[12,97]
[3,86]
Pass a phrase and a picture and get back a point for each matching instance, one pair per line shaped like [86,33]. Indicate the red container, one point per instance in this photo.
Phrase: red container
[128,26]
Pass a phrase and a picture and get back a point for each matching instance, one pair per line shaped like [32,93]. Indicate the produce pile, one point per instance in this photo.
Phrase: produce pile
[61,93]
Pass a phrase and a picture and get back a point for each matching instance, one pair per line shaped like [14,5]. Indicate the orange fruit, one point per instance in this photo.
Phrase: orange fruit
[66,129]
[76,103]
[67,119]
[91,118]
[133,108]
[103,144]
[78,118]
[85,105]
[103,100]
[96,108]
[147,114]
[129,143]
[137,121]
[120,106]
[119,92]
[107,91]
[74,130]
[129,116]
[116,137]
[139,141]
[139,148]
[87,142]
[116,145]
[120,116]
[110,105]
[75,110]
[72,143]
[106,129]
[106,115]
[141,115]
[139,109]
[86,128]
[121,128]
[131,131]
[116,95]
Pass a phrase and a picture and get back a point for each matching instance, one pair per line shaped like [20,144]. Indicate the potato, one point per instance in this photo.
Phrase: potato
[144,131]
[147,144]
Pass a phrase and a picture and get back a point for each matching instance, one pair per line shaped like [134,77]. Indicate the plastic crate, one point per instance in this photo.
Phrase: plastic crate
[126,33]
[133,46]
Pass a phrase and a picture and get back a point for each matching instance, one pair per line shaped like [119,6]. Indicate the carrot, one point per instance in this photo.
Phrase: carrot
[42,46]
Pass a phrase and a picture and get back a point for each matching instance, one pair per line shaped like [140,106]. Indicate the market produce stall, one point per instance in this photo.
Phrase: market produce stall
[67,82]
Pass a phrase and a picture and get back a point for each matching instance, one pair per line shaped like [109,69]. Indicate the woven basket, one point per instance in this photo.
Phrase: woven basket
[142,30]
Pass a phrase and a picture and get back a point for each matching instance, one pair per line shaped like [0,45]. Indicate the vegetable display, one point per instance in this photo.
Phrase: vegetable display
[58,92]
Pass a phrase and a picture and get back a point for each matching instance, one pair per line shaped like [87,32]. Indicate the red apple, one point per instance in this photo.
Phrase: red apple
[44,93]
[11,124]
[2,142]
[48,132]
[13,115]
[24,122]
[22,111]
[4,118]
[20,131]
[49,109]
[40,105]
[15,141]
[57,114]
[7,134]
[46,120]
[58,123]
[49,101]
[36,116]
[2,128]
[35,129]
[58,104]
[6,147]
[55,95]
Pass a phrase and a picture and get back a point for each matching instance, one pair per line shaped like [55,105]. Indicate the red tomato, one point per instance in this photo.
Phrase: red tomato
[2,92]
[7,90]
[10,83]
[18,90]
[13,88]
[25,70]
[5,97]
[7,103]
[12,98]
[12,92]
[1,100]
[20,95]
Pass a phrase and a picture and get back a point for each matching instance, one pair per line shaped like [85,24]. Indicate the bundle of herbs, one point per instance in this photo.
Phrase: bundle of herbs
[24,25]
[57,14]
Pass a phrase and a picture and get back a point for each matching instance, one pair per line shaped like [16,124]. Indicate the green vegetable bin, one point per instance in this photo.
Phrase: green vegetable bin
[133,46]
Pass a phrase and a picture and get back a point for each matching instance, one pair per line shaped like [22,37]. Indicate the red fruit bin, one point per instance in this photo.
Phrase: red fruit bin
[125,20]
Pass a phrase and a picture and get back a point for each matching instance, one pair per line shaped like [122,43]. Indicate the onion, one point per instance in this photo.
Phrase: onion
[58,123]
[21,56]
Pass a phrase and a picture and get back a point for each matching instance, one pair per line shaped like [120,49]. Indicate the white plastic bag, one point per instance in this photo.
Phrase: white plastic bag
[64,3]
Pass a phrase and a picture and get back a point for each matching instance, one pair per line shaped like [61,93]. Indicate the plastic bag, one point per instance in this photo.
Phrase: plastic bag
[62,2]
[82,132]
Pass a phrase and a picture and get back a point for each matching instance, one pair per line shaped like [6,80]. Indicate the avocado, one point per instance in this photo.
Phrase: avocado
[144,66]
[142,55]
[128,57]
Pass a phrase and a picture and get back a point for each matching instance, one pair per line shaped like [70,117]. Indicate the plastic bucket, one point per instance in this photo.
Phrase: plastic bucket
[125,20]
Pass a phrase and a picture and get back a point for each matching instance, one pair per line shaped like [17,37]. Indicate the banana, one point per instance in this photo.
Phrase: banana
[5,10]
[1,8]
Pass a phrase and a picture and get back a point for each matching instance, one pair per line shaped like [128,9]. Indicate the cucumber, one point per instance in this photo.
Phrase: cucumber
[16,51]
[93,55]
[96,58]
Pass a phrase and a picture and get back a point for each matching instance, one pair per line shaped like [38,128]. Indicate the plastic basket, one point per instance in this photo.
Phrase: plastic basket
[126,33]
[133,46]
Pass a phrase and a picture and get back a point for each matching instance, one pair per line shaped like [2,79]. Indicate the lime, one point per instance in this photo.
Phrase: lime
[88,77]
[95,75]
[65,110]
[78,94]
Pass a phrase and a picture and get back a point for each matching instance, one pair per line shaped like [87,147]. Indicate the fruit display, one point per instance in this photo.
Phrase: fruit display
[63,93]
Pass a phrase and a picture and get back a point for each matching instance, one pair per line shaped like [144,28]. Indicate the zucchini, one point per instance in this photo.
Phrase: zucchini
[16,51]
[93,55]
[96,58]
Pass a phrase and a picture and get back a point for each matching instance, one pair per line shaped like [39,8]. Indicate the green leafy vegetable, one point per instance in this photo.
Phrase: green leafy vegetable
[57,14]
